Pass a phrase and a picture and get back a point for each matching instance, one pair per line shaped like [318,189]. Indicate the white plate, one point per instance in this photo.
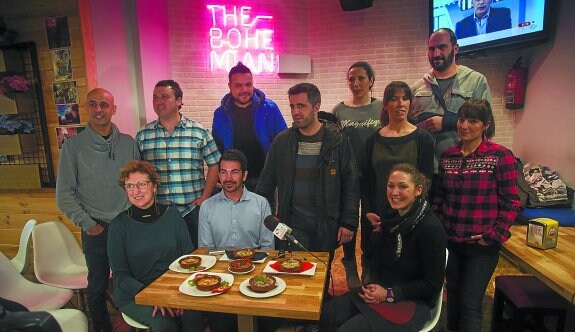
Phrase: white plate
[246,272]
[225,258]
[207,262]
[245,289]
[269,269]
[193,291]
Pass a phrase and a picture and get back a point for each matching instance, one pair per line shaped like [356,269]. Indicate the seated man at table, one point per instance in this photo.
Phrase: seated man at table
[234,217]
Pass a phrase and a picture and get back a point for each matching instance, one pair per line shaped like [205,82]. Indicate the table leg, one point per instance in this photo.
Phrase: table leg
[247,323]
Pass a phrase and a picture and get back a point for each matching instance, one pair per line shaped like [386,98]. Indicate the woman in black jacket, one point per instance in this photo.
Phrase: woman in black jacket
[407,265]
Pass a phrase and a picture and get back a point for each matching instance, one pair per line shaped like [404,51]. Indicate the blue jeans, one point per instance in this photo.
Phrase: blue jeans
[469,269]
[96,254]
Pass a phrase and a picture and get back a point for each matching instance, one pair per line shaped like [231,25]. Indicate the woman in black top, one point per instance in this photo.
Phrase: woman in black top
[398,141]
[407,265]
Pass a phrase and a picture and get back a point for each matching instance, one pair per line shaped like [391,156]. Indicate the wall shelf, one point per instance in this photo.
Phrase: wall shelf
[28,159]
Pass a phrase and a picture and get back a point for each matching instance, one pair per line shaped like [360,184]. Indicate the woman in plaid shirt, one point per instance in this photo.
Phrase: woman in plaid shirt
[476,201]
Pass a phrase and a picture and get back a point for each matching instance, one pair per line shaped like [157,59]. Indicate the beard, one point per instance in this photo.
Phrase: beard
[446,61]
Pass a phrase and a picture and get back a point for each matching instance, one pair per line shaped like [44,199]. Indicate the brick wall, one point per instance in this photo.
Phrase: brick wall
[391,36]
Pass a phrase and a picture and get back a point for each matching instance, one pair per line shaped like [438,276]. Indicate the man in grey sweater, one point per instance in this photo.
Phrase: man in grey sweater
[88,193]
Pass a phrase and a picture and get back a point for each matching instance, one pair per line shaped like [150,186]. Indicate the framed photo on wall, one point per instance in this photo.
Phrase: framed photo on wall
[68,114]
[63,133]
[57,32]
[62,64]
[65,92]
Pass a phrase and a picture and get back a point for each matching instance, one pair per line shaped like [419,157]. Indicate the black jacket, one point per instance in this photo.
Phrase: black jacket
[337,195]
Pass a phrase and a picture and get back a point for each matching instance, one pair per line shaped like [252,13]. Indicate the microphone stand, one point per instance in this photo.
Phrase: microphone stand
[290,250]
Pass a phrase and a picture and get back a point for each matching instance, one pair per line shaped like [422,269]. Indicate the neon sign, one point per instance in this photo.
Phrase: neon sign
[237,35]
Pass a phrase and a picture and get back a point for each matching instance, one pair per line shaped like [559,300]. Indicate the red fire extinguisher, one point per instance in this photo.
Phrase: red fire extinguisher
[515,86]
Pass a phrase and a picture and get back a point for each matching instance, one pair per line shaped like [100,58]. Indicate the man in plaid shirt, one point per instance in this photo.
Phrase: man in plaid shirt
[178,147]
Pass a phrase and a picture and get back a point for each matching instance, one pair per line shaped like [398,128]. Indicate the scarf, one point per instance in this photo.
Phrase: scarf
[399,226]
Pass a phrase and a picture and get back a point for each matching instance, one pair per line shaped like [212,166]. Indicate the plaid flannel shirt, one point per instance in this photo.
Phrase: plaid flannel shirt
[179,159]
[477,193]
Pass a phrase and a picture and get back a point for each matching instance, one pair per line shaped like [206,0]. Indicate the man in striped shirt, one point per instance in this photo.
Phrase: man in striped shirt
[178,147]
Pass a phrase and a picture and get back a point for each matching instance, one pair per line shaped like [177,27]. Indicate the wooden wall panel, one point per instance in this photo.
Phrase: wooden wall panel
[16,208]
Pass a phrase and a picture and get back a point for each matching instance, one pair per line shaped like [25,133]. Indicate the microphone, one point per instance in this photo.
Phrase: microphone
[281,230]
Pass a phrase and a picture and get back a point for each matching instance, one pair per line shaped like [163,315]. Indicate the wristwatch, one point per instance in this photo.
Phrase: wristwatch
[390,296]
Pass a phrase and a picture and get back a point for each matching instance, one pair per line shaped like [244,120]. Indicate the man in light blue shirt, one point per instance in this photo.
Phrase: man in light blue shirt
[234,218]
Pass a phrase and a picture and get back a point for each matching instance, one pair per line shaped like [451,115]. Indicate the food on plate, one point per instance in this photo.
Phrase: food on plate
[290,265]
[221,289]
[262,283]
[190,261]
[207,282]
[244,253]
[241,265]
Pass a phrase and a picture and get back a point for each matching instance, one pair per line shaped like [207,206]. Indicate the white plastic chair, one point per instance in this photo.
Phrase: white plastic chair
[35,297]
[436,310]
[21,260]
[70,320]
[134,324]
[58,258]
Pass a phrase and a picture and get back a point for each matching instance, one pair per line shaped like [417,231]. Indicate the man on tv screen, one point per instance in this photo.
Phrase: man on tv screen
[484,19]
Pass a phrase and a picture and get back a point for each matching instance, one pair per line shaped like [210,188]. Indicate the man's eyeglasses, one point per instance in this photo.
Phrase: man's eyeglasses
[140,185]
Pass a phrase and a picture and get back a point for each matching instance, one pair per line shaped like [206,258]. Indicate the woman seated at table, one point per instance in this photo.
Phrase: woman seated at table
[406,265]
[142,242]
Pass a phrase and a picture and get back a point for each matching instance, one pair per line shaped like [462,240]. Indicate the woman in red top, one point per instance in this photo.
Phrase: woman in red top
[476,201]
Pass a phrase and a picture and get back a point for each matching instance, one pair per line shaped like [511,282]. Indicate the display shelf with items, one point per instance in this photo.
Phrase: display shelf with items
[25,155]
[17,144]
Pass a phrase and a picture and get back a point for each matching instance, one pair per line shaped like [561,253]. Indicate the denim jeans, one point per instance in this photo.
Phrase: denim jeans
[469,269]
[96,254]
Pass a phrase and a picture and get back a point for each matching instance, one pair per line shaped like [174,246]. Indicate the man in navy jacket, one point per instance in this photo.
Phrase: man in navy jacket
[485,19]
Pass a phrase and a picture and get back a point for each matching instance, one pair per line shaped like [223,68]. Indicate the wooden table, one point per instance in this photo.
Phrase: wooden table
[301,299]
[555,267]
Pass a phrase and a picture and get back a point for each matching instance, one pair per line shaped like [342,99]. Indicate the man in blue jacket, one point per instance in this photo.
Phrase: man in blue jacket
[485,19]
[247,121]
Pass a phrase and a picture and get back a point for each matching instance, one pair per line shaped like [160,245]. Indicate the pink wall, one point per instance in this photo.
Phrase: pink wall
[544,129]
[154,51]
[132,53]
[113,48]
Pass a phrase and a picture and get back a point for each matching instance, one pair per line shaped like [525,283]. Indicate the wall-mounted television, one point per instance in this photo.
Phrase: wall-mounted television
[488,24]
